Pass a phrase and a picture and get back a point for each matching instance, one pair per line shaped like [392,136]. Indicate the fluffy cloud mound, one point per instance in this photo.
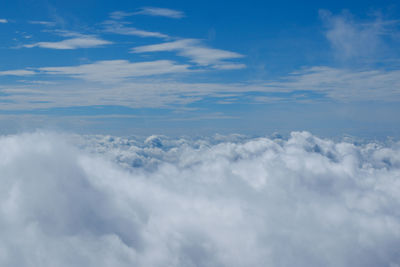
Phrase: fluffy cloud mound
[222,201]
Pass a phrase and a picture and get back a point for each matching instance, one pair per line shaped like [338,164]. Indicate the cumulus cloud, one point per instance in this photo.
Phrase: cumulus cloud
[3,21]
[160,12]
[197,52]
[222,201]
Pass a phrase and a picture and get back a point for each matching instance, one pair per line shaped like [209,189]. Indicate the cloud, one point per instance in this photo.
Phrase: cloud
[213,201]
[196,52]
[45,23]
[81,41]
[160,12]
[149,11]
[118,28]
[3,21]
[343,84]
[117,70]
[111,83]
[353,39]
[120,14]
[17,73]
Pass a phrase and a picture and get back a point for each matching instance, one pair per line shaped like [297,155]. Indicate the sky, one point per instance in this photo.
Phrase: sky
[199,133]
[185,67]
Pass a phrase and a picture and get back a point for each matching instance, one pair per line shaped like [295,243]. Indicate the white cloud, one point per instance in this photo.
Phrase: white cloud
[117,70]
[223,201]
[353,39]
[45,23]
[343,84]
[82,41]
[196,51]
[230,66]
[119,88]
[118,28]
[3,21]
[17,72]
[160,12]
[120,14]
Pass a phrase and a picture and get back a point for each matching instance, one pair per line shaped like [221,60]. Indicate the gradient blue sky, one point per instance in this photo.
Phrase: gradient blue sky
[185,67]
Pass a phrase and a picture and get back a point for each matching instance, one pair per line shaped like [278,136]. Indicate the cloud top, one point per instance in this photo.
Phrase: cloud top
[221,201]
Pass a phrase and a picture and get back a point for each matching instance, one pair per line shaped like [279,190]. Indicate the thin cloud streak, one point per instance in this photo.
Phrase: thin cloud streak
[84,41]
[149,11]
[112,71]
[160,12]
[196,52]
[17,73]
[118,28]
[45,23]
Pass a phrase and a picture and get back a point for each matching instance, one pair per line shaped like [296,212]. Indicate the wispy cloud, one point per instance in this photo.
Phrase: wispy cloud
[17,73]
[121,14]
[111,83]
[3,21]
[45,23]
[79,41]
[119,28]
[342,84]
[110,71]
[161,12]
[197,52]
[149,11]
[353,39]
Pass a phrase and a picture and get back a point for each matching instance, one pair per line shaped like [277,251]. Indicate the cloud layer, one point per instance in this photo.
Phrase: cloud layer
[222,201]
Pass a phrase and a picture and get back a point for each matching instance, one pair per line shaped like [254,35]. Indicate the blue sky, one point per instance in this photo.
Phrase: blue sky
[184,67]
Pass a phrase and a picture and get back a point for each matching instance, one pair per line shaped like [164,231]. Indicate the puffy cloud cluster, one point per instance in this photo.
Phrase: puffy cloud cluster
[222,201]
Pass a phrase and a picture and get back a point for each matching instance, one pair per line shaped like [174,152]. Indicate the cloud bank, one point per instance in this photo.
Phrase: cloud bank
[222,201]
